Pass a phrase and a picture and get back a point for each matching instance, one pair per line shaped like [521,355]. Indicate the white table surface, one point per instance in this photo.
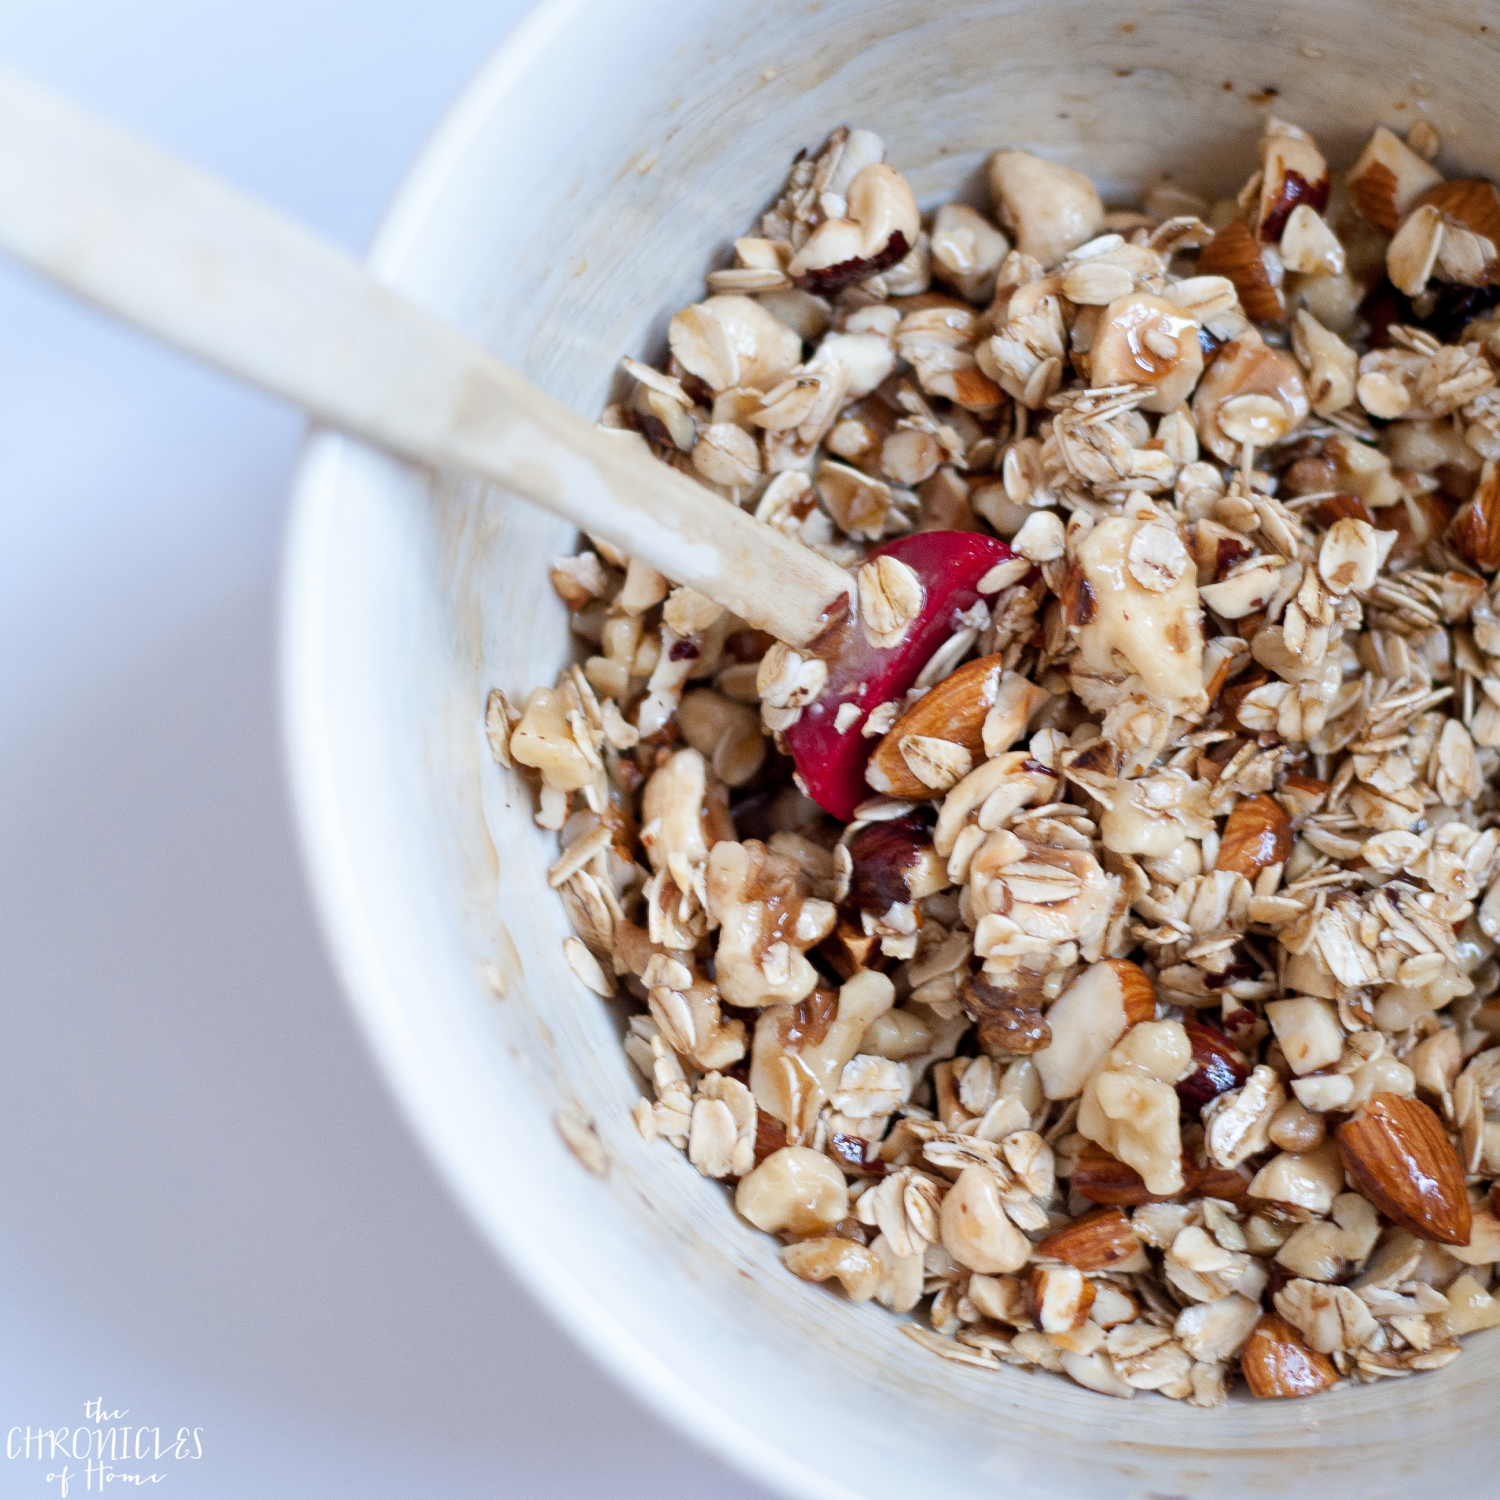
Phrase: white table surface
[211,1215]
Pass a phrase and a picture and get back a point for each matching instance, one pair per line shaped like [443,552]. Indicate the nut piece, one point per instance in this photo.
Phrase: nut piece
[1130,1104]
[1293,175]
[766,924]
[1050,209]
[1041,537]
[1332,366]
[1016,700]
[1241,368]
[966,251]
[801,1050]
[1060,1298]
[975,1230]
[1327,1252]
[1309,246]
[1009,1020]
[894,864]
[1256,272]
[1090,1016]
[1414,251]
[1102,1178]
[1474,202]
[1256,836]
[1476,528]
[1294,1128]
[1156,631]
[1215,1331]
[1094,1372]
[1237,1124]
[1389,179]
[1146,340]
[1217,1068]
[732,341]
[856,1266]
[1327,1317]
[1276,1363]
[1470,1308]
[882,227]
[1096,1242]
[1309,1032]
[579,579]
[1401,1159]
[954,711]
[544,740]
[795,1188]
[1155,815]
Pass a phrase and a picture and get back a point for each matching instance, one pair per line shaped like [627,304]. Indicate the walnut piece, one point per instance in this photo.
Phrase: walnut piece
[767,923]
[1130,1104]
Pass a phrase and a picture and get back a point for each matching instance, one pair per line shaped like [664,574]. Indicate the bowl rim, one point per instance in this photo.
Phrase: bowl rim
[353,942]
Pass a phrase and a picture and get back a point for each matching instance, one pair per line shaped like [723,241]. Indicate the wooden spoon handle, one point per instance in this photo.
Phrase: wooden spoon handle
[187,257]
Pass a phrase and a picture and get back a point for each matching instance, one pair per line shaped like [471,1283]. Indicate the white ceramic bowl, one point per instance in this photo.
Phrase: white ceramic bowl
[566,208]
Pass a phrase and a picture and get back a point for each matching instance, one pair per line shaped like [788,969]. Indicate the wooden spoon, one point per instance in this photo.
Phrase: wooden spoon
[191,259]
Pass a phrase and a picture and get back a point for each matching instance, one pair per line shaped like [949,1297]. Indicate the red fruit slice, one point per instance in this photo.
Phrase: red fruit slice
[832,765]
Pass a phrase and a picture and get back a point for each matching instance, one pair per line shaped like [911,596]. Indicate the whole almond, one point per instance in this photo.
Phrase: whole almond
[1256,835]
[1095,1242]
[954,711]
[1277,1364]
[1235,253]
[1476,528]
[1472,201]
[1401,1159]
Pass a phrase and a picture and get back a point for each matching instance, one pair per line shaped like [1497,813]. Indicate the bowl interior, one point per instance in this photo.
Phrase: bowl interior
[567,208]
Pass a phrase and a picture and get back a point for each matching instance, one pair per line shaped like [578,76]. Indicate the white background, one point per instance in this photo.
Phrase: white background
[210,1213]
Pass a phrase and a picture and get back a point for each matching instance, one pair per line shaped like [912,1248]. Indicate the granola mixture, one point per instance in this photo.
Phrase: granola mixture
[1140,1025]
